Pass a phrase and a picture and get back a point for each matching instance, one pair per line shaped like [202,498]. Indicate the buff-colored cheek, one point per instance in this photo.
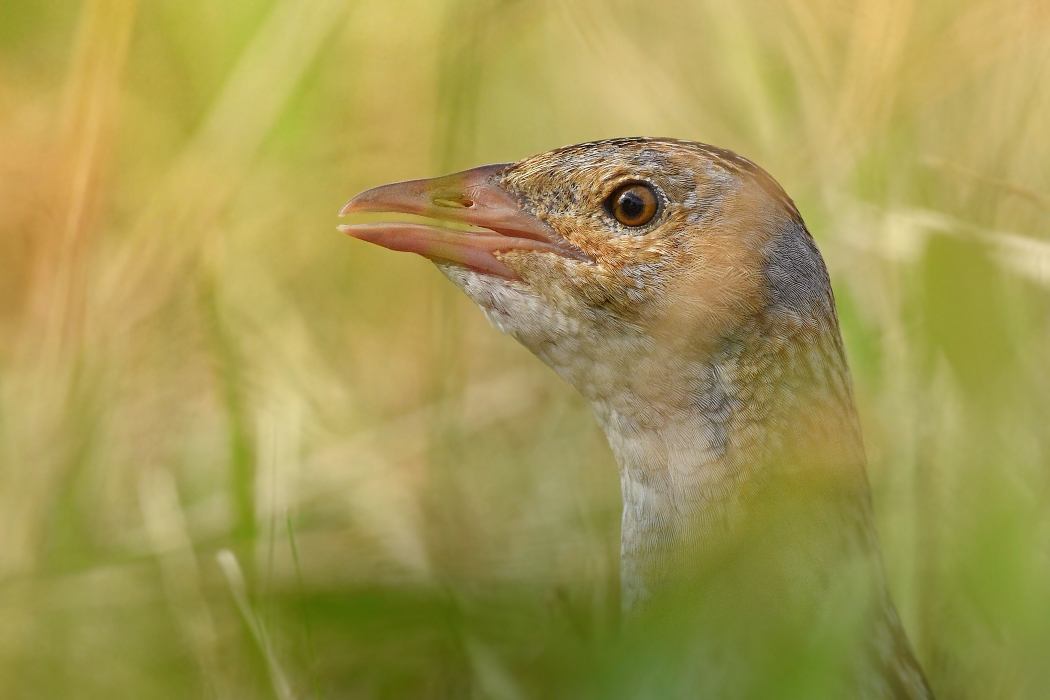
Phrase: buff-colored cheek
[720,280]
[708,301]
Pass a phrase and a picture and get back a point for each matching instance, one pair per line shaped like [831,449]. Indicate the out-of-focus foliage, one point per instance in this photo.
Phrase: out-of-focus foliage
[243,456]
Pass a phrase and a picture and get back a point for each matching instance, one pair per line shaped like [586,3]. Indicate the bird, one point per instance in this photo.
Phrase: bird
[676,287]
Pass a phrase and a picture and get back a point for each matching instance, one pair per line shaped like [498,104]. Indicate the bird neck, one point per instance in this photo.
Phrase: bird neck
[749,480]
[768,404]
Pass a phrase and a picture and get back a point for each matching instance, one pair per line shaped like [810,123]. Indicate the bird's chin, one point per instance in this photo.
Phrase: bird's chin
[565,341]
[513,307]
[497,296]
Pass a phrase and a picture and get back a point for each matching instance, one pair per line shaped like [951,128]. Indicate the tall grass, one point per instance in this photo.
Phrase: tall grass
[242,456]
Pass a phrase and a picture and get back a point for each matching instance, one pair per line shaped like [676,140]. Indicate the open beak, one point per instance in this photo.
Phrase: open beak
[470,197]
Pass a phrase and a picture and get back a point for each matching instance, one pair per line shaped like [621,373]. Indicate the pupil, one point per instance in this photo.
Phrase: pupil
[631,204]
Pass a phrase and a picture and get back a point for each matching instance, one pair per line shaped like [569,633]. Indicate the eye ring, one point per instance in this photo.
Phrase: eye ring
[633,204]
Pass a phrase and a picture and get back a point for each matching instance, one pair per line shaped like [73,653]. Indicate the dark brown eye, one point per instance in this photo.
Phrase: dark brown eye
[633,205]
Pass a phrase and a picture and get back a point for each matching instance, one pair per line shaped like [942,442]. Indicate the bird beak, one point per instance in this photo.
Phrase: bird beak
[470,197]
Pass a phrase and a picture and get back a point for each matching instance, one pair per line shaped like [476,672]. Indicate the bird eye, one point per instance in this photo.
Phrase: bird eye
[633,205]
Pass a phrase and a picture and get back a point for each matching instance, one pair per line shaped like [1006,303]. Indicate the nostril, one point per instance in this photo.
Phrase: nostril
[453,202]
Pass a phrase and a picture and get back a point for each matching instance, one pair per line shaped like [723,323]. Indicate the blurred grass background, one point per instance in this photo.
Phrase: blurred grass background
[243,456]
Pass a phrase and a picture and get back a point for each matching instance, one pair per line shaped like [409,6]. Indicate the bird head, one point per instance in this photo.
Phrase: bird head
[612,258]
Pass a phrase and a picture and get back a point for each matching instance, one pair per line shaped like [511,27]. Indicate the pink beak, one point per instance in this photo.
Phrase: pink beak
[469,197]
